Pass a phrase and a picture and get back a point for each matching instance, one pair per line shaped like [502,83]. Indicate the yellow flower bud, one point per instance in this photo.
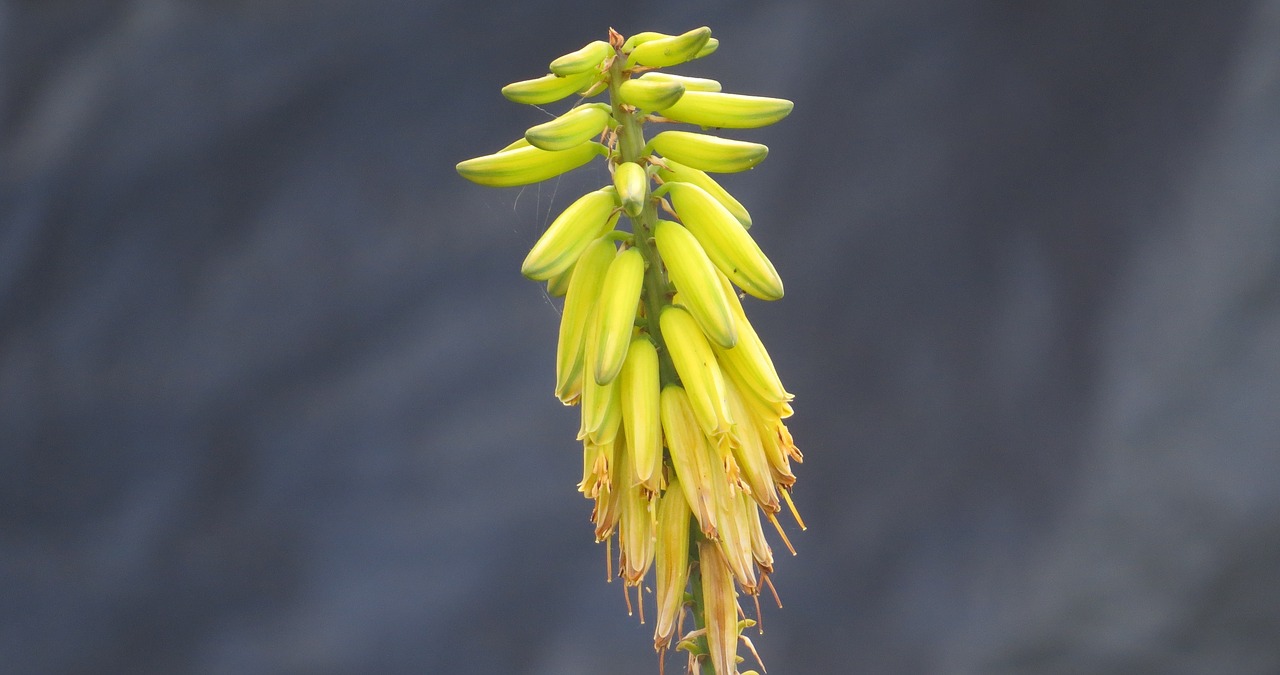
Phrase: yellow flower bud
[580,298]
[735,532]
[639,386]
[671,561]
[638,521]
[696,365]
[690,456]
[749,451]
[601,403]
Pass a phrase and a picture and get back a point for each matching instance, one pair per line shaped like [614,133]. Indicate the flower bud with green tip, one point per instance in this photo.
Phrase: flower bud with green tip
[584,221]
[632,183]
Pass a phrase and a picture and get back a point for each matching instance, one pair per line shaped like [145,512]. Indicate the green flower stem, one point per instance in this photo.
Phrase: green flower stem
[695,592]
[631,143]
[631,148]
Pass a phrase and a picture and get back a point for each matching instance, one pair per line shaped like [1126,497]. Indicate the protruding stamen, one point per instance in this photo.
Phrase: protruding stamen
[608,560]
[774,591]
[778,526]
[786,495]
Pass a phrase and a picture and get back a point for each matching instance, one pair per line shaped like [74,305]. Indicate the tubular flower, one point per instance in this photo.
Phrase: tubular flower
[684,448]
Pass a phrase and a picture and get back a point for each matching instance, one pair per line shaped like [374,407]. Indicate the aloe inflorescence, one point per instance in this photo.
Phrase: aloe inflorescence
[684,445]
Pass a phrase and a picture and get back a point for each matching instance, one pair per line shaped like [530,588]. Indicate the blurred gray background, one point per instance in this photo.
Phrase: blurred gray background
[274,397]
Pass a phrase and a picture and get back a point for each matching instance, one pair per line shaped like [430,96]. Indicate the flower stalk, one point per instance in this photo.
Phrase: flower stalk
[684,444]
[630,148]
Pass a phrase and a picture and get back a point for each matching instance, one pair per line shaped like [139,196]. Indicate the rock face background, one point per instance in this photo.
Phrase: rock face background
[275,399]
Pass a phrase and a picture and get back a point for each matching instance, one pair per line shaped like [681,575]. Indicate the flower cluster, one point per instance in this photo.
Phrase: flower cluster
[684,445]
